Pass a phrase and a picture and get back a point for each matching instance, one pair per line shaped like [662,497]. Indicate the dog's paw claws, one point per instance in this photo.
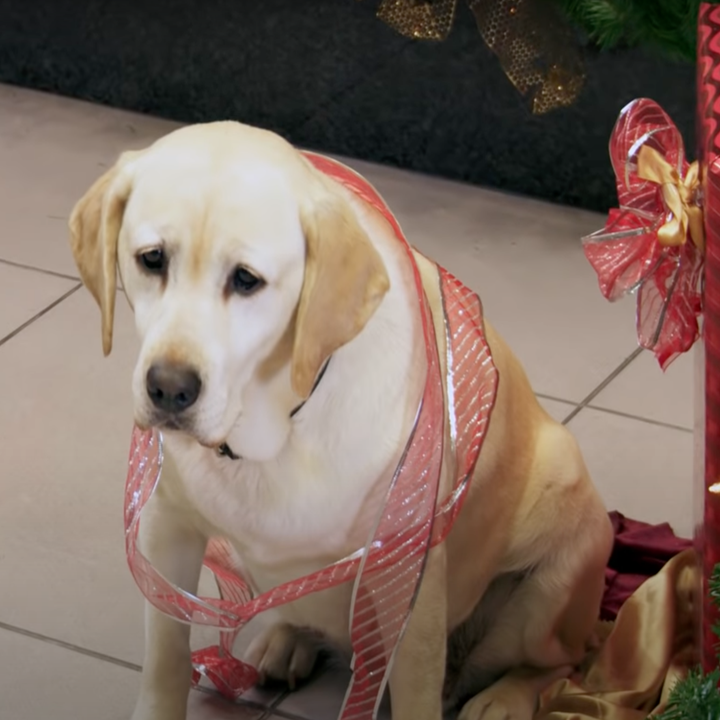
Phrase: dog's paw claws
[285,653]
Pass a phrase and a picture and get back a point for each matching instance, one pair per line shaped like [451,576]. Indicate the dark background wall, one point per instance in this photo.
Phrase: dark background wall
[328,75]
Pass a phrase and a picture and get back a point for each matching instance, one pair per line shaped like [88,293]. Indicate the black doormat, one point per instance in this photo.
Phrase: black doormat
[328,75]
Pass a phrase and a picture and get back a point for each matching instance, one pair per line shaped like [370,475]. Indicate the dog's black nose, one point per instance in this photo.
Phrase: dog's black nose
[171,387]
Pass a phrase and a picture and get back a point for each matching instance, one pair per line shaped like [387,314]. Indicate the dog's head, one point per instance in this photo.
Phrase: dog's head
[245,268]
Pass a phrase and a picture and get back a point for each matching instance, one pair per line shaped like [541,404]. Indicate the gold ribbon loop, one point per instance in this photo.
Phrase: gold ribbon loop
[680,198]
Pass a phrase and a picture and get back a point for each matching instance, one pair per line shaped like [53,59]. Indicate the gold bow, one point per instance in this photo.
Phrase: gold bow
[535,44]
[679,195]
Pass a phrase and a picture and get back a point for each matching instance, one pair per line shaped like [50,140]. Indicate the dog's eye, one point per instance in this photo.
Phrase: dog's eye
[153,261]
[243,282]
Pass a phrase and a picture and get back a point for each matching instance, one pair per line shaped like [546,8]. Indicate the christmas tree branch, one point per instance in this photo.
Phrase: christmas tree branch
[697,696]
[668,26]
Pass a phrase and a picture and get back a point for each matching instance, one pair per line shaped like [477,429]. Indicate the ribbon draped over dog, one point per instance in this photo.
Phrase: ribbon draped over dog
[386,573]
[653,243]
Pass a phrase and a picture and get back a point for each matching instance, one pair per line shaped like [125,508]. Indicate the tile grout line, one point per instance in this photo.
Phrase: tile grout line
[37,316]
[70,646]
[273,706]
[594,393]
[555,399]
[630,416]
[611,411]
[279,713]
[32,268]
[240,702]
[267,710]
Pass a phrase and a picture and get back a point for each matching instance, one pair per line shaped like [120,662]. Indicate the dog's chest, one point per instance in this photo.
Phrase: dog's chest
[284,518]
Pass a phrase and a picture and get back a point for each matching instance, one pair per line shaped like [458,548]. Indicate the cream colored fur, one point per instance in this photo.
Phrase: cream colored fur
[507,603]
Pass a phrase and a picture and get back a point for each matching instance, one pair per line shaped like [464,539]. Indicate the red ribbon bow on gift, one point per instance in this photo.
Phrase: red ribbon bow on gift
[653,243]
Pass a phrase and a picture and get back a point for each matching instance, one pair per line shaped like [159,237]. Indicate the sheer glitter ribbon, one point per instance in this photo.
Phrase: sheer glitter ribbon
[534,43]
[639,250]
[387,571]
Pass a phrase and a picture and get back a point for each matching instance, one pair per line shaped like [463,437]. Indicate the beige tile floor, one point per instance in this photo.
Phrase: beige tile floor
[70,615]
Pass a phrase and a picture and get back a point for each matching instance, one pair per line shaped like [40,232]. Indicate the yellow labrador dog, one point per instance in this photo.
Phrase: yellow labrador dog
[247,269]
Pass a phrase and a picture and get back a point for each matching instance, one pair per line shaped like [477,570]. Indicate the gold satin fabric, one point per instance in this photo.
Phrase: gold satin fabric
[650,646]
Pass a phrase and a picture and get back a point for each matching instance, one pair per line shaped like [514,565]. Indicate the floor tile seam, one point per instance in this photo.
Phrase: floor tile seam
[554,398]
[266,710]
[272,708]
[38,315]
[603,384]
[279,712]
[43,271]
[72,647]
[578,406]
[639,418]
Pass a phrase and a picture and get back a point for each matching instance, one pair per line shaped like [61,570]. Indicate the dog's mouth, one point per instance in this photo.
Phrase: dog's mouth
[171,424]
[162,422]
[221,449]
[224,450]
[174,424]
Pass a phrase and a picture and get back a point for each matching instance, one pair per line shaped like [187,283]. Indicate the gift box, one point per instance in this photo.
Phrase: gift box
[708,359]
[662,243]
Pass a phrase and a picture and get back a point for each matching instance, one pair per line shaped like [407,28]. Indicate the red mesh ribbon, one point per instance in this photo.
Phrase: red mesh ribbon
[387,571]
[627,255]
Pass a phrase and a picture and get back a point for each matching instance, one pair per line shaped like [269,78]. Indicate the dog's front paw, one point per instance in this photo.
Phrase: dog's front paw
[505,700]
[514,696]
[284,652]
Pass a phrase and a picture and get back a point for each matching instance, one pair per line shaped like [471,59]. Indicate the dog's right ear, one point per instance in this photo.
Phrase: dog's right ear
[345,282]
[94,229]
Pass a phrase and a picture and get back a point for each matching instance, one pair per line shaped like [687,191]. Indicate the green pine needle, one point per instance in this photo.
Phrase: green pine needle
[697,696]
[668,26]
[694,698]
[714,585]
[714,592]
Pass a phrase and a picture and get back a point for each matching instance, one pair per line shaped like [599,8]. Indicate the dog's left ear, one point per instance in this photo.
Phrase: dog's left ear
[345,281]
[94,229]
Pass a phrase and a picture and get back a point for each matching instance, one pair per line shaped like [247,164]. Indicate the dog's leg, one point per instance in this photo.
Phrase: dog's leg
[176,549]
[418,673]
[541,633]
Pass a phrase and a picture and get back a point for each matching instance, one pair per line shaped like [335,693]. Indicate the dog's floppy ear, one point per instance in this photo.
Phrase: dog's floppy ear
[345,281]
[94,228]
